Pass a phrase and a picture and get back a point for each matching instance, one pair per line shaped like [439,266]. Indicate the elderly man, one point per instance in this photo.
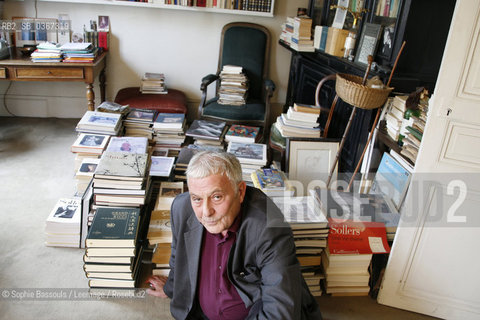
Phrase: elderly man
[231,257]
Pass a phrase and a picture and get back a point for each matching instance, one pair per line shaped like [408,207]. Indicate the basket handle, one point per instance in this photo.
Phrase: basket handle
[319,87]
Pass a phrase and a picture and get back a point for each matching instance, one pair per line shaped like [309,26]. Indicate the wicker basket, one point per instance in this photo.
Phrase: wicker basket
[350,90]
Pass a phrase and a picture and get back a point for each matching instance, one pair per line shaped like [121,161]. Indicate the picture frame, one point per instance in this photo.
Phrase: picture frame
[310,159]
[368,44]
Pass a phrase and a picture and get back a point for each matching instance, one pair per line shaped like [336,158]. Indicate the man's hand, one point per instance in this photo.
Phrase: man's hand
[156,286]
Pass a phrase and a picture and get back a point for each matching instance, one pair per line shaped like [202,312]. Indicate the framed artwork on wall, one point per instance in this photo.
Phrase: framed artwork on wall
[309,161]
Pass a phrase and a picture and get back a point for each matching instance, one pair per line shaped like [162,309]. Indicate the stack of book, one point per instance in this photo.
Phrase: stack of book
[233,86]
[82,52]
[153,83]
[252,156]
[394,117]
[139,123]
[242,134]
[159,234]
[89,147]
[113,253]
[414,130]
[62,227]
[272,182]
[100,123]
[298,122]
[287,31]
[85,172]
[47,52]
[121,179]
[302,35]
[346,274]
[310,231]
[207,132]
[169,130]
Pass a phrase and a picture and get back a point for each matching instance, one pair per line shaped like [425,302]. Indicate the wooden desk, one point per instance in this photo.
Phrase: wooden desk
[23,69]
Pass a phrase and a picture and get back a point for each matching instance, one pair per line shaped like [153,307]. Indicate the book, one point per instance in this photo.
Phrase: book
[127,144]
[114,227]
[336,41]
[169,120]
[391,179]
[170,189]
[62,225]
[113,107]
[307,108]
[122,165]
[301,212]
[206,129]
[161,166]
[272,182]
[141,115]
[99,122]
[253,153]
[90,143]
[242,134]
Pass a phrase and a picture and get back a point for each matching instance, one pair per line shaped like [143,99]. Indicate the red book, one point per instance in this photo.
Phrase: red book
[103,40]
[357,237]
[201,3]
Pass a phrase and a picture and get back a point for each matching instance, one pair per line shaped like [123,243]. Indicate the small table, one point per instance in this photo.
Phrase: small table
[23,69]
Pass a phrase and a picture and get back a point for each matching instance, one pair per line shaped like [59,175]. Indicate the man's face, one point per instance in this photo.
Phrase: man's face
[214,201]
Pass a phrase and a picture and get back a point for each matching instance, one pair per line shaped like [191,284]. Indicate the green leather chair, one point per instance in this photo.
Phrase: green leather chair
[247,45]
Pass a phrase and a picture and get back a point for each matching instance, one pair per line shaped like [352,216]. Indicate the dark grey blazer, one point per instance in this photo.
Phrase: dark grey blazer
[262,264]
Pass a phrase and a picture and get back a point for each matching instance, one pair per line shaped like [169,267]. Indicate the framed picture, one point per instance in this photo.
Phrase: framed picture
[385,47]
[368,42]
[309,160]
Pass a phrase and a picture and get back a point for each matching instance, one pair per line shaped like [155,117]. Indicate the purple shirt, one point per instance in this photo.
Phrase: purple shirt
[217,296]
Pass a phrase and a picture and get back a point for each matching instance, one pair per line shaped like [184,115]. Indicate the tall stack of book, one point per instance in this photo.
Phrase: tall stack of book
[47,52]
[153,83]
[121,177]
[299,121]
[310,231]
[414,129]
[113,251]
[62,227]
[207,132]
[169,130]
[159,231]
[139,123]
[272,182]
[83,52]
[233,86]
[252,156]
[302,35]
[100,123]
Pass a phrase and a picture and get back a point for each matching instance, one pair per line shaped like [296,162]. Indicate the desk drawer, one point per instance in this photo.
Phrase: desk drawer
[49,73]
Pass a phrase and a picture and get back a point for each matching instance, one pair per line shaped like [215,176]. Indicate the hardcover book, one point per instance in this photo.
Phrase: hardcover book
[169,120]
[101,121]
[243,134]
[301,212]
[90,143]
[127,144]
[161,166]
[114,227]
[124,165]
[253,153]
[141,115]
[206,129]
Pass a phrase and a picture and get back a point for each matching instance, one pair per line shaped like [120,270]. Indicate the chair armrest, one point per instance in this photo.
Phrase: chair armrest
[207,80]
[269,87]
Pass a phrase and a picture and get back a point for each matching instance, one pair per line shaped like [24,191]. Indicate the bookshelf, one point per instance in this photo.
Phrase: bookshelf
[127,3]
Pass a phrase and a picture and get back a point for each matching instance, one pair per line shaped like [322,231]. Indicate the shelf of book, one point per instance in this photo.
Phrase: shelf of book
[171,6]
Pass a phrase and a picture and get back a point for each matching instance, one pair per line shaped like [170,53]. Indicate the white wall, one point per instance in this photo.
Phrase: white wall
[182,44]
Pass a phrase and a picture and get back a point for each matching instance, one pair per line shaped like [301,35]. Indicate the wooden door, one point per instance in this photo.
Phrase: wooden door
[434,266]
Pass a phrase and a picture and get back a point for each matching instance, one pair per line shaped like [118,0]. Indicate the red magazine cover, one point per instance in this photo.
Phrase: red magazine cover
[357,237]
